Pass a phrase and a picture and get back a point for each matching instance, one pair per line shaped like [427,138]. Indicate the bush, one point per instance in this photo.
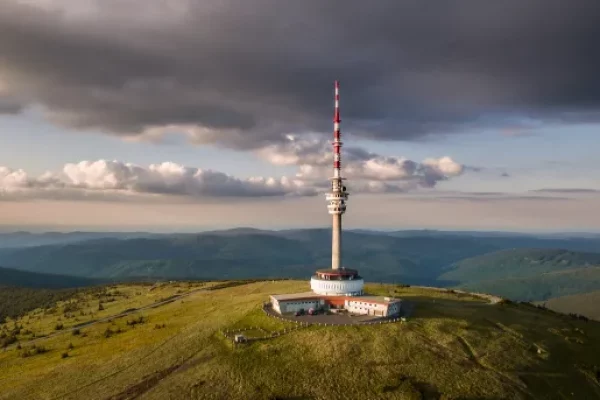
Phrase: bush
[136,321]
[58,327]
[76,332]
[64,355]
[33,350]
[7,340]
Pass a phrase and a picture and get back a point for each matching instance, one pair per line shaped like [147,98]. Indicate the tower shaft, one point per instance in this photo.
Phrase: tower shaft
[338,195]
[336,242]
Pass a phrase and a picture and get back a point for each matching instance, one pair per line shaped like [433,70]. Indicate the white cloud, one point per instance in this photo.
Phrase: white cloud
[12,180]
[367,173]
[365,170]
[115,178]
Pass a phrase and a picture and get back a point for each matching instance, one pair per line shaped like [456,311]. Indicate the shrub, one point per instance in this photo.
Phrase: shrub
[8,340]
[33,350]
[136,321]
[64,355]
[58,327]
[76,332]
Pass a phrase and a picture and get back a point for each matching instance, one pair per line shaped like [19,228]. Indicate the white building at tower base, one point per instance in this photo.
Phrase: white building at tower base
[359,305]
[337,290]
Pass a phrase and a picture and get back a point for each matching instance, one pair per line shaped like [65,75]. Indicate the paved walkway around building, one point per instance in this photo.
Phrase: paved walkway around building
[331,319]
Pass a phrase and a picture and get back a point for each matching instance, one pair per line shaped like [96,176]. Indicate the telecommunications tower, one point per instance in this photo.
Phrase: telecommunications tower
[338,196]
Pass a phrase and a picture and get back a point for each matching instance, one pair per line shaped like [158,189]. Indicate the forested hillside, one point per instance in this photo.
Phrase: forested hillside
[15,301]
[541,287]
[513,263]
[521,267]
[14,277]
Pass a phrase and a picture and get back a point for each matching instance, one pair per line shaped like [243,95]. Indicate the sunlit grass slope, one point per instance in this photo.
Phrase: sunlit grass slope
[452,347]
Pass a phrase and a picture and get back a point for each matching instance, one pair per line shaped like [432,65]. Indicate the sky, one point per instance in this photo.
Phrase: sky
[194,115]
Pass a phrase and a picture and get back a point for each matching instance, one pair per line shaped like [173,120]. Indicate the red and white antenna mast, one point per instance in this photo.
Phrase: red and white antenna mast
[338,196]
[337,144]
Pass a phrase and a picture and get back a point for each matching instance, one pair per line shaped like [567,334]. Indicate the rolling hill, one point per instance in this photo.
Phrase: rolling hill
[540,287]
[249,252]
[587,304]
[451,347]
[18,278]
[245,255]
[512,263]
[22,291]
[29,239]
[528,274]
[499,263]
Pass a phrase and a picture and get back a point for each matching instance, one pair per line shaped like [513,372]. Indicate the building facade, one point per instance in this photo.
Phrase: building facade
[358,305]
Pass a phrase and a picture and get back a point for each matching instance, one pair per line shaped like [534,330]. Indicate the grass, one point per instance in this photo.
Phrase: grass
[453,346]
[91,305]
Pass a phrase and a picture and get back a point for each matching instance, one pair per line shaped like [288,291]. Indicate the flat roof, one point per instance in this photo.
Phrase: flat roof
[295,296]
[313,296]
[375,299]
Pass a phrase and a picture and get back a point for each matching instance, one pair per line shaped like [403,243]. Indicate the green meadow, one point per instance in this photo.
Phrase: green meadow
[453,346]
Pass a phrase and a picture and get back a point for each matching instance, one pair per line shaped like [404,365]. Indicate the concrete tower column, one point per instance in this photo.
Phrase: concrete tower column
[336,242]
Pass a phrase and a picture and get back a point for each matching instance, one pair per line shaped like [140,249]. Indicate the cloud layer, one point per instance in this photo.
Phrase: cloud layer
[96,179]
[367,173]
[245,74]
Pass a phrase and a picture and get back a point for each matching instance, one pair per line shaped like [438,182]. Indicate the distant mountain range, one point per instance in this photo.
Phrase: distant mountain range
[517,266]
[16,278]
[29,239]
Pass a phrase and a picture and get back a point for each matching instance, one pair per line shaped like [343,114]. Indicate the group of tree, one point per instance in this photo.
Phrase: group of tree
[16,301]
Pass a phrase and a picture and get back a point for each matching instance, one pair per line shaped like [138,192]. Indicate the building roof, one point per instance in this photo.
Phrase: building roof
[315,296]
[296,296]
[375,299]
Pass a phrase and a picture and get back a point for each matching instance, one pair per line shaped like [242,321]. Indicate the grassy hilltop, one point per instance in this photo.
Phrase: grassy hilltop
[454,346]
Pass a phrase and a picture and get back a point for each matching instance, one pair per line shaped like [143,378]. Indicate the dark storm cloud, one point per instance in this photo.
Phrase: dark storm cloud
[246,73]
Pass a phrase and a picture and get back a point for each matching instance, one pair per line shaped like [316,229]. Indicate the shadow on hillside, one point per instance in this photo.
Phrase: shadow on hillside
[435,307]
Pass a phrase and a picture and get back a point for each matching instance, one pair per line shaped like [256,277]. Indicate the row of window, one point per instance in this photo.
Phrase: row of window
[355,303]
